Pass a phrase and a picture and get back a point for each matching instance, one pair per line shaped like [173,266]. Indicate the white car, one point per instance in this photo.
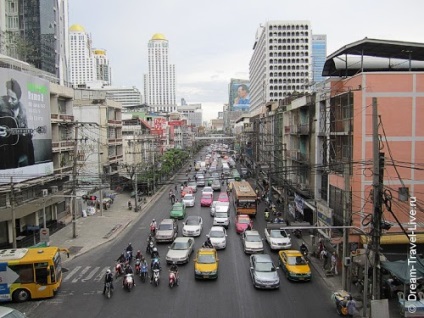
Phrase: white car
[221,219]
[220,207]
[193,226]
[218,236]
[207,190]
[189,199]
[180,250]
[252,242]
[277,238]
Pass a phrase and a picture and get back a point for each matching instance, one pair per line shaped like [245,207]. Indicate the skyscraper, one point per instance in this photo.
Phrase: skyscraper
[82,66]
[319,54]
[159,82]
[281,61]
[101,62]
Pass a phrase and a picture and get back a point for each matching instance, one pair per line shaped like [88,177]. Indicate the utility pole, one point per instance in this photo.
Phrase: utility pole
[74,184]
[346,221]
[100,171]
[12,207]
[378,170]
[286,187]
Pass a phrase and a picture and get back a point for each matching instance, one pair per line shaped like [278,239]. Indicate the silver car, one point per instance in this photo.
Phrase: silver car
[167,230]
[252,242]
[216,185]
[218,237]
[180,250]
[263,272]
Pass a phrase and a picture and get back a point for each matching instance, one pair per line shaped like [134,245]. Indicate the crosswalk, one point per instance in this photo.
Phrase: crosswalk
[82,274]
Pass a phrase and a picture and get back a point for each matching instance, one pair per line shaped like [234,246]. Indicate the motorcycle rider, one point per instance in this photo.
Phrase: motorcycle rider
[304,249]
[155,265]
[138,255]
[108,279]
[174,269]
[155,253]
[128,270]
[129,249]
[153,226]
[121,259]
[208,243]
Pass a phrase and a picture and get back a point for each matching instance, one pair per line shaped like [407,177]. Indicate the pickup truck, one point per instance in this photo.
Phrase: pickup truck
[277,238]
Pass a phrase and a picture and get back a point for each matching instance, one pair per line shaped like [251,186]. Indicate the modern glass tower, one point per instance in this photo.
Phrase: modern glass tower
[159,82]
[319,54]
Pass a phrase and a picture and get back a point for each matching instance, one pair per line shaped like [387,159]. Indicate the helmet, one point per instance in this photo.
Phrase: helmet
[174,263]
[108,271]
[155,249]
[129,243]
[153,220]
[138,251]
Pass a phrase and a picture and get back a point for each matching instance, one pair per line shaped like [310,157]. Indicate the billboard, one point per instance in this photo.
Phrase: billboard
[25,127]
[239,96]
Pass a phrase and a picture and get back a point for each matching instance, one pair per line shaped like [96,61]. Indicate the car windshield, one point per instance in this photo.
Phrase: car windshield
[216,234]
[221,214]
[243,221]
[223,204]
[253,238]
[192,221]
[178,208]
[206,196]
[188,197]
[206,259]
[264,267]
[278,234]
[165,227]
[296,260]
[179,246]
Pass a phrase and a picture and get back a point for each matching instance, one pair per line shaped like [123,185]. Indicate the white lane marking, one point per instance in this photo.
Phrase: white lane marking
[72,273]
[85,270]
[91,274]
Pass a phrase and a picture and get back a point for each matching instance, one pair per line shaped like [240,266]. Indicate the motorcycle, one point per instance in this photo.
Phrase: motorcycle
[156,277]
[150,247]
[152,230]
[128,256]
[172,279]
[137,266]
[143,272]
[129,281]
[119,269]
[108,291]
[340,299]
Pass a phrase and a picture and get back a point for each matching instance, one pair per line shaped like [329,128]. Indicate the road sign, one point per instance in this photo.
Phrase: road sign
[44,235]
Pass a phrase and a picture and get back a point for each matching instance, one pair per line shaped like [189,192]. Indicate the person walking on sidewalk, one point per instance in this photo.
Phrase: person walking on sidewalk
[334,263]
[324,255]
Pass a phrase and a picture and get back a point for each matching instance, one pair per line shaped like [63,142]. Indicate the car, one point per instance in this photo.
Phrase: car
[178,211]
[8,312]
[294,265]
[209,181]
[215,175]
[207,190]
[263,272]
[206,264]
[277,238]
[193,186]
[223,197]
[244,172]
[242,222]
[189,199]
[206,199]
[252,242]
[216,185]
[221,219]
[180,250]
[186,190]
[167,230]
[218,237]
[220,207]
[200,180]
[193,226]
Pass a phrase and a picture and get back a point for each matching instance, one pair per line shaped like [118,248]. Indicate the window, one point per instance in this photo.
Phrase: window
[25,272]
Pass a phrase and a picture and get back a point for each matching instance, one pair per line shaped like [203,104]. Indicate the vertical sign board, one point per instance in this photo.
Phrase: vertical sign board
[7,278]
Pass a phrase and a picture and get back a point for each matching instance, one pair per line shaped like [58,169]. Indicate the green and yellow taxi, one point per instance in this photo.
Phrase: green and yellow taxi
[294,265]
[206,264]
[178,211]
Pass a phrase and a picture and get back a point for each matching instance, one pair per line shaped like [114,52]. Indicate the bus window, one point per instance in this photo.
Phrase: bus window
[41,273]
[25,272]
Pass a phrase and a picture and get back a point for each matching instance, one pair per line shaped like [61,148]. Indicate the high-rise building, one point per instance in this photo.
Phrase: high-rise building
[281,61]
[36,32]
[193,112]
[159,82]
[82,66]
[319,54]
[101,62]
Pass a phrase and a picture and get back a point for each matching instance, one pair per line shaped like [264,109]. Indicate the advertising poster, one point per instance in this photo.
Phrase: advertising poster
[25,127]
[239,96]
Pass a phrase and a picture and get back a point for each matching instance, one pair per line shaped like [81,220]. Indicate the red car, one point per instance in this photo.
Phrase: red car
[206,199]
[223,197]
[242,222]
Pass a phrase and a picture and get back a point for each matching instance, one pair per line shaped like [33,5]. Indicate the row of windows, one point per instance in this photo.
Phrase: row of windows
[288,67]
[288,40]
[284,61]
[288,47]
[288,81]
[286,87]
[284,54]
[293,74]
[285,94]
[287,34]
[289,27]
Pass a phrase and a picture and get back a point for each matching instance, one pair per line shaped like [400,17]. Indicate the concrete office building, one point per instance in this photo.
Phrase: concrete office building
[319,54]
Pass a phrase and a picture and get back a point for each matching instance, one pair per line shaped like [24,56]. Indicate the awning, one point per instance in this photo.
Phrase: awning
[404,271]
[394,239]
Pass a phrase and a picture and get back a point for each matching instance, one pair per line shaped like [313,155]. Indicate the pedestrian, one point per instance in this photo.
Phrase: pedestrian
[320,248]
[351,307]
[325,257]
[334,263]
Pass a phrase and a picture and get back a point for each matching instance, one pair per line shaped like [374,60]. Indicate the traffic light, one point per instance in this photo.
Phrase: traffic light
[93,198]
[89,197]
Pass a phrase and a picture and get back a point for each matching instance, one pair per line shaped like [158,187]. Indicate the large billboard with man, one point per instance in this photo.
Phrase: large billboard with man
[25,127]
[239,95]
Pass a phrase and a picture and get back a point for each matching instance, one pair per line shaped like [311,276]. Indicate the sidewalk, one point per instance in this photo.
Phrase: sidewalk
[95,230]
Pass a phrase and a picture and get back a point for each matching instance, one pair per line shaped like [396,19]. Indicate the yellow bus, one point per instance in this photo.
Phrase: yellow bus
[244,198]
[30,273]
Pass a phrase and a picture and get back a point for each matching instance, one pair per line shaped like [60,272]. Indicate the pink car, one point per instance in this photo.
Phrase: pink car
[206,199]
[242,223]
[223,197]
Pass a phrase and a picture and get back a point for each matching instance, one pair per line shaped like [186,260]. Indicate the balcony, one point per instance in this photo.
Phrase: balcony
[114,122]
[303,129]
[55,118]
[64,145]
[114,140]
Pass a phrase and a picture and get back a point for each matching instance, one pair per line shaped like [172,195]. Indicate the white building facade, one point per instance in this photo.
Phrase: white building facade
[281,62]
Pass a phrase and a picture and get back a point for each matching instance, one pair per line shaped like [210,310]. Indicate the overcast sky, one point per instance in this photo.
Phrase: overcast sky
[211,42]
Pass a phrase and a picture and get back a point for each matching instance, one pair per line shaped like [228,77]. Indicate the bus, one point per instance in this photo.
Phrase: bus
[235,175]
[30,273]
[244,198]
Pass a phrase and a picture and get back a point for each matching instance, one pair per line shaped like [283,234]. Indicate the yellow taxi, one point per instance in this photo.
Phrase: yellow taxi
[294,265]
[206,264]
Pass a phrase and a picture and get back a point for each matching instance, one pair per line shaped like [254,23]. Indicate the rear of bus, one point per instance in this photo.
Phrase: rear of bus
[32,273]
[244,198]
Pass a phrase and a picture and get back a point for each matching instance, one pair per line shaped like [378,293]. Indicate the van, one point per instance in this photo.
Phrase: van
[226,169]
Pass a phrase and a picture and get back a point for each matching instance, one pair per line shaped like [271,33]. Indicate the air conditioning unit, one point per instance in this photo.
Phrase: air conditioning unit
[45,192]
[54,189]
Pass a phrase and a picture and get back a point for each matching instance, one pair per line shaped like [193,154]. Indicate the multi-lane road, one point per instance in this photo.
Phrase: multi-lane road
[231,295]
